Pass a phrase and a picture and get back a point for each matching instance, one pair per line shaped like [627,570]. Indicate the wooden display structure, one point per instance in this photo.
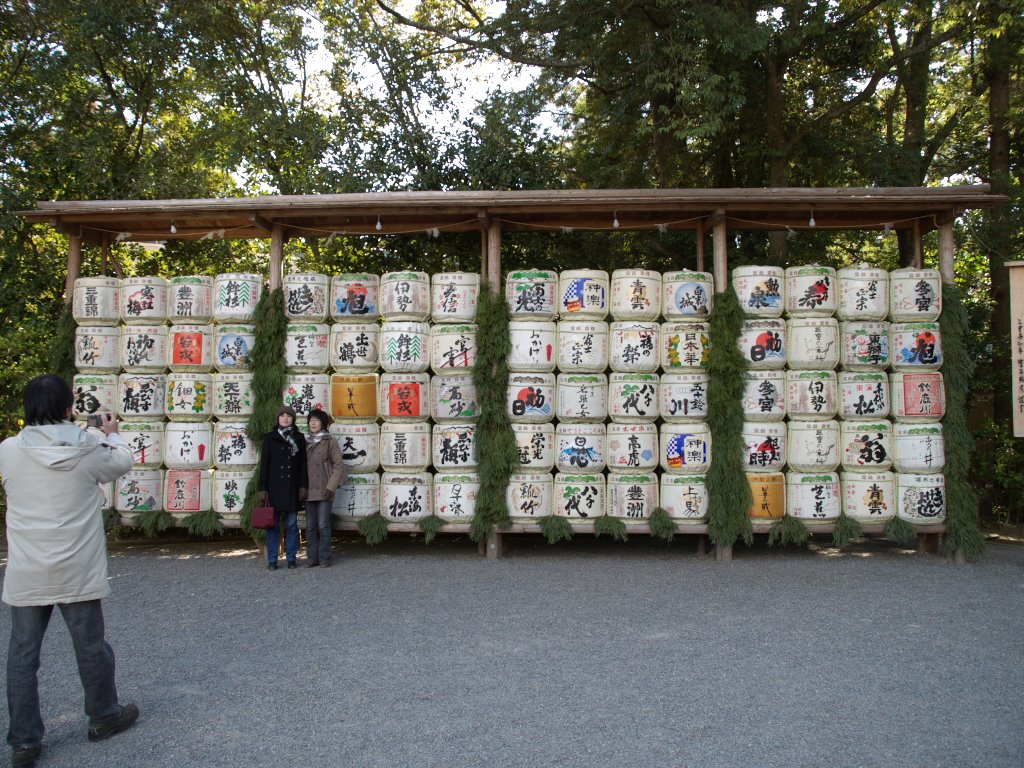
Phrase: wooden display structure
[915,209]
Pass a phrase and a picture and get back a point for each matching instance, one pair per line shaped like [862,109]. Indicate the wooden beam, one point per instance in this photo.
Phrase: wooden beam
[276,276]
[259,221]
[947,252]
[74,268]
[720,240]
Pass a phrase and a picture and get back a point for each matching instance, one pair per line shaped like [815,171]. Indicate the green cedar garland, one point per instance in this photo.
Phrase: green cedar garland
[205,524]
[900,531]
[430,526]
[606,525]
[112,522]
[728,491]
[153,522]
[789,530]
[962,531]
[62,352]
[556,528]
[663,526]
[374,528]
[847,529]
[495,441]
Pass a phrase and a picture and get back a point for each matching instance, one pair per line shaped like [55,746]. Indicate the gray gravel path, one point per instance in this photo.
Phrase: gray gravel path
[589,654]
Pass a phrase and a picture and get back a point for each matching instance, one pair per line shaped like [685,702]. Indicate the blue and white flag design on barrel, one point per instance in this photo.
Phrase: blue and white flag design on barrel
[583,293]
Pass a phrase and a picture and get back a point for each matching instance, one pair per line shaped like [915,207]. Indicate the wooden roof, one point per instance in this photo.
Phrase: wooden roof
[536,210]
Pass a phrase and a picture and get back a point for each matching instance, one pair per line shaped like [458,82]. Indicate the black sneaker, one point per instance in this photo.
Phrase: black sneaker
[25,757]
[124,721]
[292,564]
[272,566]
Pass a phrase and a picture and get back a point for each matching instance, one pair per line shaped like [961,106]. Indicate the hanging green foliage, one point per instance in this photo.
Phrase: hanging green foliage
[374,528]
[728,491]
[495,441]
[847,529]
[789,530]
[962,531]
[662,526]
[112,522]
[900,531]
[610,526]
[153,522]
[555,529]
[62,352]
[205,524]
[430,526]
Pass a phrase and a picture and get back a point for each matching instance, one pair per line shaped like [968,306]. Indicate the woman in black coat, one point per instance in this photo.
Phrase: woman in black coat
[283,483]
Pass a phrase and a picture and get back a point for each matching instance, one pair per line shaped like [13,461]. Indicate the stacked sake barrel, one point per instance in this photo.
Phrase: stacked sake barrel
[803,416]
[606,421]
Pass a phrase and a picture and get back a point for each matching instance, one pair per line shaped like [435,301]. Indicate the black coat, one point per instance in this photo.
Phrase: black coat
[281,474]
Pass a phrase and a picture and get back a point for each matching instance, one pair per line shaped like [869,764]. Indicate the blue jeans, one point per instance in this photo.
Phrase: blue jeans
[95,667]
[318,531]
[290,520]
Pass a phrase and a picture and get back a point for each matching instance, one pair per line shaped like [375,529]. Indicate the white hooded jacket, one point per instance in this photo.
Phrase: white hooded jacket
[56,545]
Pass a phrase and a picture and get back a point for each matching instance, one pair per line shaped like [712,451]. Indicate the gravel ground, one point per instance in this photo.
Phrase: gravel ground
[592,653]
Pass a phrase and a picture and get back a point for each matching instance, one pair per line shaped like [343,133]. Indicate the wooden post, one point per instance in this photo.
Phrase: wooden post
[699,233]
[484,234]
[918,257]
[494,255]
[720,238]
[947,250]
[494,546]
[104,255]
[723,553]
[276,256]
[74,267]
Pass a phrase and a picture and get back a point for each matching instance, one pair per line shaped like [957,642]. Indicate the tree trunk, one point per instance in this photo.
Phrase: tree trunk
[778,153]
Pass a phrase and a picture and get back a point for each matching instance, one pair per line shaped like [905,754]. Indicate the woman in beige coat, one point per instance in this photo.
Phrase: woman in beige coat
[326,473]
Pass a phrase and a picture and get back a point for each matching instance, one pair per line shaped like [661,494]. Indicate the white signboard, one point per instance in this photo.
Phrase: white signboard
[1017,343]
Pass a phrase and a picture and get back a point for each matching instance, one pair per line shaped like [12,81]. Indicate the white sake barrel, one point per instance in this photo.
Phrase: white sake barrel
[229,486]
[187,491]
[814,497]
[306,391]
[632,498]
[146,439]
[633,346]
[580,448]
[354,397]
[404,396]
[582,397]
[811,395]
[140,490]
[685,347]
[141,395]
[583,346]
[190,299]
[232,346]
[813,343]
[232,395]
[405,296]
[687,295]
[354,347]
[307,347]
[535,444]
[405,497]
[190,348]
[453,296]
[917,396]
[188,445]
[454,447]
[867,445]
[97,348]
[632,448]
[233,448]
[108,491]
[764,395]
[529,497]
[685,449]
[763,344]
[452,348]
[583,294]
[144,348]
[305,296]
[455,496]
[359,444]
[764,446]
[453,398]
[96,301]
[920,449]
[811,291]
[760,290]
[863,293]
[533,344]
[531,294]
[404,347]
[921,499]
[634,397]
[869,497]
[636,294]
[684,396]
[94,393]
[864,345]
[355,297]
[357,497]
[915,346]
[863,395]
[580,498]
[188,396]
[531,397]
[685,498]
[767,496]
[405,446]
[915,295]
[144,300]
[813,446]
[235,295]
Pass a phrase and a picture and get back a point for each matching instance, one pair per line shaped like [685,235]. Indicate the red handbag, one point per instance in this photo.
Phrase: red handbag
[263,517]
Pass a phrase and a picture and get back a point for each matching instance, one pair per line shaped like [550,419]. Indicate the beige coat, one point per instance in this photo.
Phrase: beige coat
[56,545]
[326,471]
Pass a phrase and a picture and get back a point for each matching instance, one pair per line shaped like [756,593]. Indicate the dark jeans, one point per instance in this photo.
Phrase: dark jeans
[290,520]
[318,531]
[95,667]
